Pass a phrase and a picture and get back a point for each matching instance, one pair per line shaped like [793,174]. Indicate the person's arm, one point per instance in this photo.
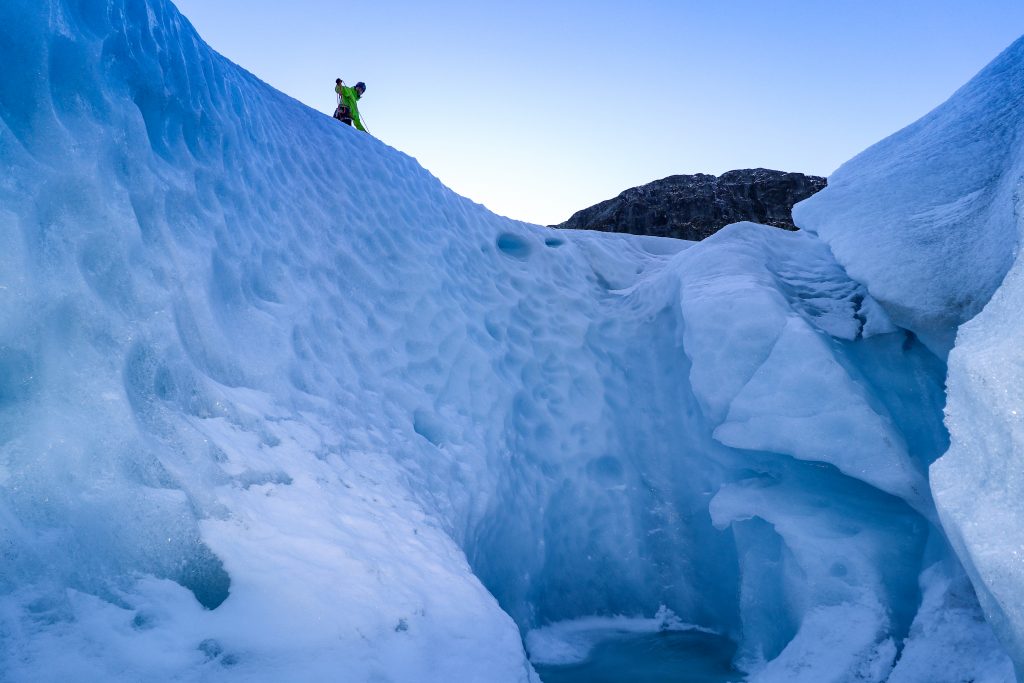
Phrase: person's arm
[351,97]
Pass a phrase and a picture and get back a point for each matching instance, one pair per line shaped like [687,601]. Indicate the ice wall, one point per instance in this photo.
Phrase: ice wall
[276,404]
[221,314]
[926,218]
[979,483]
[930,221]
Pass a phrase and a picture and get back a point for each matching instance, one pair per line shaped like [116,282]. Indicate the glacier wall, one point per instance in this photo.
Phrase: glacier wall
[978,483]
[930,220]
[275,404]
[926,218]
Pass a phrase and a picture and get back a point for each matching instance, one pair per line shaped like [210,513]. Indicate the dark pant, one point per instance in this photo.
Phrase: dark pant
[343,114]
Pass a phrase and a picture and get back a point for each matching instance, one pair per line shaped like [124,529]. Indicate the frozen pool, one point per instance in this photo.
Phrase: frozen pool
[633,656]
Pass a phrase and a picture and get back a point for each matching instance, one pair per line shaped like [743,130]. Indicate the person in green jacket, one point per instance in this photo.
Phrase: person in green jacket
[348,110]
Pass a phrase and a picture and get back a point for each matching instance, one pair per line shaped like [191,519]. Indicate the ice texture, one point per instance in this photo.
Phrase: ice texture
[930,221]
[275,404]
[949,640]
[979,482]
[926,218]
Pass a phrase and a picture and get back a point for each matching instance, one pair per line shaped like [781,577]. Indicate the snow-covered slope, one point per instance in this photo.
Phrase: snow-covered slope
[277,405]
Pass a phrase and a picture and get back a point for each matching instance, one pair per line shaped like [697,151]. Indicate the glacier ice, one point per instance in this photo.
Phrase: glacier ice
[979,482]
[924,218]
[276,404]
[930,221]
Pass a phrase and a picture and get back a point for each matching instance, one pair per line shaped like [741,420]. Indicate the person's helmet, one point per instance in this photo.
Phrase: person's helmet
[361,86]
[337,80]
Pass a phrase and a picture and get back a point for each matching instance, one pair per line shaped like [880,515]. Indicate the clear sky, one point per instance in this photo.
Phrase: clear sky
[538,108]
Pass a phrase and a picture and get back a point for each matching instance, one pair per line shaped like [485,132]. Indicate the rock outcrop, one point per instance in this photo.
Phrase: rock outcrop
[693,207]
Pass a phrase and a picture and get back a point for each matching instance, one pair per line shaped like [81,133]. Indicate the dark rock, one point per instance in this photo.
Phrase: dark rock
[693,207]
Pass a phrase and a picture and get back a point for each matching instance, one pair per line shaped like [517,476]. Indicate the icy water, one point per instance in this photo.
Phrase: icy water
[664,657]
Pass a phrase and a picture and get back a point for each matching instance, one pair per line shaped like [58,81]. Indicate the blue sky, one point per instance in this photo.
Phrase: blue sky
[537,109]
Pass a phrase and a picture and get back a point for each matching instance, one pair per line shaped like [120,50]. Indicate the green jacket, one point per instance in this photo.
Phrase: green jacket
[349,97]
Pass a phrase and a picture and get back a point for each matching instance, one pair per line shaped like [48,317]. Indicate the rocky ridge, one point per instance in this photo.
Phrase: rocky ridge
[694,207]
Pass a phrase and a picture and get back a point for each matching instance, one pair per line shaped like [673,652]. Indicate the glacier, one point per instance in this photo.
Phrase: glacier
[275,404]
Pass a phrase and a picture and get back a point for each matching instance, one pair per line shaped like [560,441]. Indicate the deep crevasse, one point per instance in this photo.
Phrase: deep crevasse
[274,403]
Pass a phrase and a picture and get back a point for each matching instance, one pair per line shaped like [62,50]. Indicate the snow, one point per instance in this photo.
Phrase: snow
[275,404]
[949,639]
